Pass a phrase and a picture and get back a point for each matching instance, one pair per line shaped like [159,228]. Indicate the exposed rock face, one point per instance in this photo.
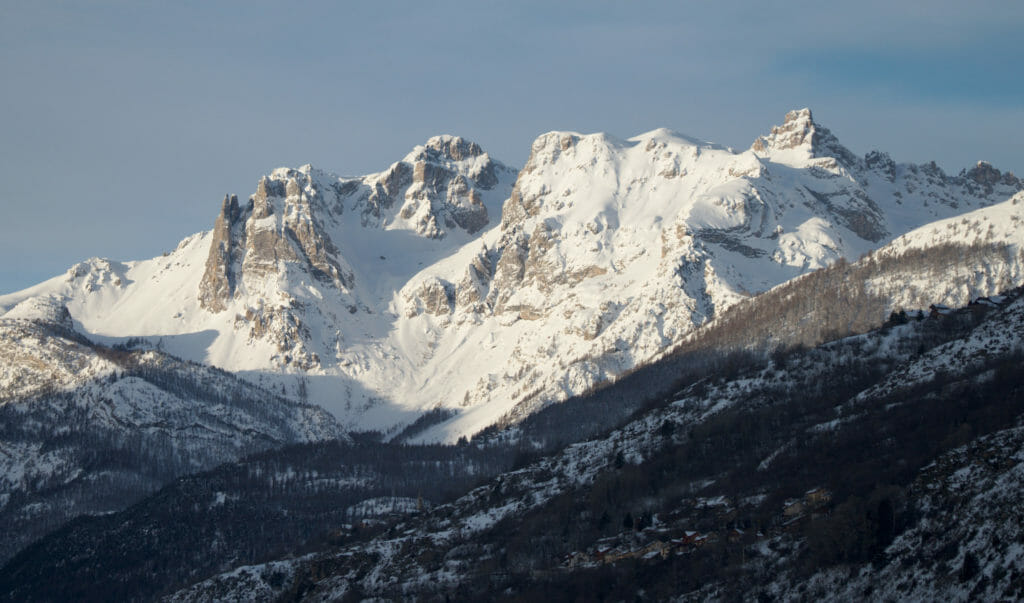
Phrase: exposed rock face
[282,326]
[218,283]
[435,190]
[266,188]
[853,209]
[442,196]
[454,148]
[314,245]
[251,243]
[277,261]
[472,289]
[509,272]
[799,131]
[438,193]
[279,236]
[988,178]
[385,191]
[436,296]
[984,174]
[882,163]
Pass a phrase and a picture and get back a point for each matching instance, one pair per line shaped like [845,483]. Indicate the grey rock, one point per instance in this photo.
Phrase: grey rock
[799,129]
[474,286]
[984,174]
[455,148]
[882,163]
[218,282]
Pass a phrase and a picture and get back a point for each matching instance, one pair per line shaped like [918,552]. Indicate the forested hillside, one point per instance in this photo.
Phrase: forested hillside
[745,486]
[119,424]
[706,480]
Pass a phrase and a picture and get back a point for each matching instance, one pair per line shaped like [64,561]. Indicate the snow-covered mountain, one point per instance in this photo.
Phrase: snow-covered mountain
[450,280]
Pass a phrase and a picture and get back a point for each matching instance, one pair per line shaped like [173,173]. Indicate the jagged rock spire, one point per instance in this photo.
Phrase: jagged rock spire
[217,284]
[800,132]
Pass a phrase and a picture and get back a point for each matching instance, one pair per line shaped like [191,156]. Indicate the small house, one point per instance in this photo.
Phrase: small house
[656,548]
[937,311]
[793,507]
[817,497]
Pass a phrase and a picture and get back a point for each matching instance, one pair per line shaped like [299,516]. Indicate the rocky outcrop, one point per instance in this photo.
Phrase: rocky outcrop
[434,296]
[988,178]
[277,261]
[440,199]
[881,163]
[799,131]
[509,272]
[303,228]
[279,226]
[218,282]
[853,209]
[265,189]
[281,325]
[472,289]
[436,189]
[443,192]
[454,148]
[385,191]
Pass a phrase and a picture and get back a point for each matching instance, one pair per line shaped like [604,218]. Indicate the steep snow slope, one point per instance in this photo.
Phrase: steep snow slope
[383,296]
[980,252]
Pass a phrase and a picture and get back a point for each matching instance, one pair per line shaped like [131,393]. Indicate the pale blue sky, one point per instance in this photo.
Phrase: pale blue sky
[123,124]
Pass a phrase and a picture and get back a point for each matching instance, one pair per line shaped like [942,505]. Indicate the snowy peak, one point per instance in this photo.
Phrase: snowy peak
[279,228]
[448,148]
[982,180]
[799,140]
[291,226]
[438,188]
[611,249]
[587,178]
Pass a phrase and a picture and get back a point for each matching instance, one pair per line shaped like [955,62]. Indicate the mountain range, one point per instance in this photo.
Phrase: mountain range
[451,281]
[580,321]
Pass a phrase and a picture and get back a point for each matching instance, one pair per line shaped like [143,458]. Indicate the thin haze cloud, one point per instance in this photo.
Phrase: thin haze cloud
[125,123]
